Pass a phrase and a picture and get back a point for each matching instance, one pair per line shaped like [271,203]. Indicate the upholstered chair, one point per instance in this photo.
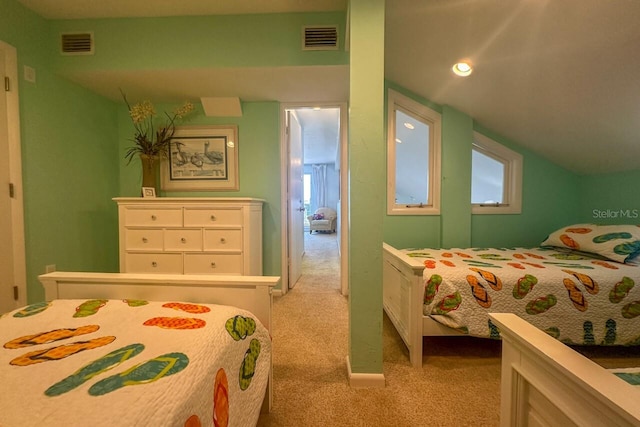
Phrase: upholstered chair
[324,219]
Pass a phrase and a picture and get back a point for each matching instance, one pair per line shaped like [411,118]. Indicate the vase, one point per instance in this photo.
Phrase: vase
[149,170]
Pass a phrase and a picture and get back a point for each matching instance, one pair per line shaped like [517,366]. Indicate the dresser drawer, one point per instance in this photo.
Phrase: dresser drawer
[183,240]
[166,217]
[154,263]
[212,217]
[190,235]
[213,264]
[223,240]
[143,240]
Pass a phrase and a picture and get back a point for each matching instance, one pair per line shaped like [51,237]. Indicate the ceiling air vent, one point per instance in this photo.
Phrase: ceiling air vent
[77,43]
[320,37]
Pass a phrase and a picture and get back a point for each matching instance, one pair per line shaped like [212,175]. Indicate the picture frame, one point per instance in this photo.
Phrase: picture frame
[202,158]
[148,192]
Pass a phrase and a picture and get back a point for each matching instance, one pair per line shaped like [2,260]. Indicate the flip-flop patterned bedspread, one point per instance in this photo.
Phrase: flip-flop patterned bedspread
[571,296]
[132,363]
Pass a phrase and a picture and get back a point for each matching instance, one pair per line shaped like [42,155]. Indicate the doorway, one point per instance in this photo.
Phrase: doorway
[314,151]
[13,286]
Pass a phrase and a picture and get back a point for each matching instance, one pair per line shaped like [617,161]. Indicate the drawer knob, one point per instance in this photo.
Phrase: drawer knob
[183,240]
[154,264]
[213,217]
[145,240]
[213,265]
[153,218]
[223,240]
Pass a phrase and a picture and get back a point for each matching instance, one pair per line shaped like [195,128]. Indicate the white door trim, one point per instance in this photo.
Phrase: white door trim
[284,201]
[344,188]
[344,200]
[15,172]
[295,172]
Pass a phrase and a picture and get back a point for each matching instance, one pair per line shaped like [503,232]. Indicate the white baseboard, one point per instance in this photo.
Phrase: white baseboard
[361,380]
[276,292]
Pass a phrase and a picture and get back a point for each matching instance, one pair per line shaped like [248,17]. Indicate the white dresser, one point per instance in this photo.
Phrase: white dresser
[194,235]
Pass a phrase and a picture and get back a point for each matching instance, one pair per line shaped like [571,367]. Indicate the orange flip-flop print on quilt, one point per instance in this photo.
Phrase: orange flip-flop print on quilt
[576,285]
[238,327]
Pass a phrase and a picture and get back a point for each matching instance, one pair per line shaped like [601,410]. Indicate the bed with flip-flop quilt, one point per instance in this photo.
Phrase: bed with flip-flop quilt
[546,383]
[104,362]
[581,286]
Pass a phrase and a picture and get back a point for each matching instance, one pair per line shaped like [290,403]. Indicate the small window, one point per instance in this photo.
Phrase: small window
[496,178]
[413,157]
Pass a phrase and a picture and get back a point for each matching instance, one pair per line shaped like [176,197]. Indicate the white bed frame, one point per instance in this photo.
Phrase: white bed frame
[546,383]
[402,299]
[252,293]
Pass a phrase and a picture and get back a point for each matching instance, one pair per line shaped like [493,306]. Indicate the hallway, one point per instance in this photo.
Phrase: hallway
[320,263]
[458,385]
[311,331]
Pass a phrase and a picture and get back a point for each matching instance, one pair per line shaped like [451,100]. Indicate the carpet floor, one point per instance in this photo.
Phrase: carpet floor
[458,385]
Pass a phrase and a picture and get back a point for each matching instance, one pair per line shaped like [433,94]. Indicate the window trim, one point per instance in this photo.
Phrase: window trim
[512,188]
[425,114]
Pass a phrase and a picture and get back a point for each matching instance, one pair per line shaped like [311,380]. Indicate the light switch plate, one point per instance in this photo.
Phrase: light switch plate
[29,74]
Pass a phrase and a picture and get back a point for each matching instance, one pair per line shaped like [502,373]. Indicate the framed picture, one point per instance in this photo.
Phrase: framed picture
[202,159]
[148,192]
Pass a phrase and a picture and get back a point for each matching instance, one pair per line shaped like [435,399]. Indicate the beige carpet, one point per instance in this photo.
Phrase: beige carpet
[458,384]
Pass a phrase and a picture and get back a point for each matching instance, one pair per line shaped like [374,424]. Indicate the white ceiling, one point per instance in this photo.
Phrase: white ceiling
[320,133]
[558,77]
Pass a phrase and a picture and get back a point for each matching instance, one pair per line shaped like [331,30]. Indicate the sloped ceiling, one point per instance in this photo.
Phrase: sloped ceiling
[557,77]
[320,133]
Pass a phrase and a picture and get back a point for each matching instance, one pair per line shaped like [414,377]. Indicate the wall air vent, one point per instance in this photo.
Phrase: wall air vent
[317,37]
[77,43]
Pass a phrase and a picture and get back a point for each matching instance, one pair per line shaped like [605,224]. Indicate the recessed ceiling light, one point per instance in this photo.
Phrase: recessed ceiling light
[462,69]
[398,140]
[409,125]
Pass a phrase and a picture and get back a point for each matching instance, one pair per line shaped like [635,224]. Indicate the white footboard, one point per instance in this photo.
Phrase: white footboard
[402,294]
[546,383]
[402,299]
[252,293]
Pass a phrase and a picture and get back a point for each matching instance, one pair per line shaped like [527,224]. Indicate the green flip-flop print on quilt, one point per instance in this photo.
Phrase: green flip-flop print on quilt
[146,372]
[143,373]
[239,328]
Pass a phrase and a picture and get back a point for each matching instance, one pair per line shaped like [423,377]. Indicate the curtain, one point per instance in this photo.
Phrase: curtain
[318,186]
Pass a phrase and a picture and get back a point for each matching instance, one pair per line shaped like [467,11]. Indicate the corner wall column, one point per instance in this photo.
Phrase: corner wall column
[367,184]
[455,209]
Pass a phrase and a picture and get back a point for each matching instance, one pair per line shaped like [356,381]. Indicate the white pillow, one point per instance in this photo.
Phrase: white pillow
[619,243]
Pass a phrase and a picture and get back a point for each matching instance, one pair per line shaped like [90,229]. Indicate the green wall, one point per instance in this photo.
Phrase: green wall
[610,198]
[69,160]
[366,206]
[73,139]
[259,166]
[455,208]
[73,143]
[551,195]
[411,231]
[70,173]
[206,42]
[550,200]
[199,42]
